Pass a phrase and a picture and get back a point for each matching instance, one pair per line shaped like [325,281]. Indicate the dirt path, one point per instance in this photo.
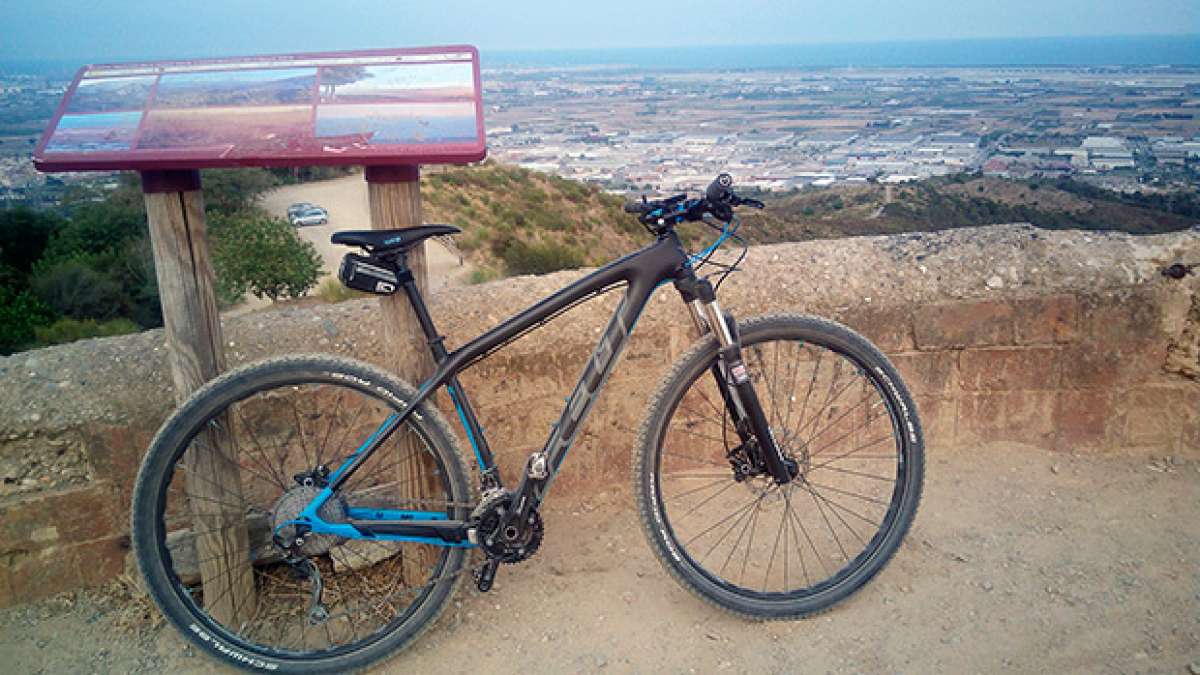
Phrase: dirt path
[1020,561]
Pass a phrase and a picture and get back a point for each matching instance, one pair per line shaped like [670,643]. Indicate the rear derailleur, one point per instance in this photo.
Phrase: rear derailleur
[503,534]
[303,569]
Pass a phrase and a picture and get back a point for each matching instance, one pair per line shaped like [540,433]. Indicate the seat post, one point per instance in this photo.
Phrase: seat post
[435,341]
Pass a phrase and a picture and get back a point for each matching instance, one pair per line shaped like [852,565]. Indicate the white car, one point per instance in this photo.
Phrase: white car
[298,208]
[313,216]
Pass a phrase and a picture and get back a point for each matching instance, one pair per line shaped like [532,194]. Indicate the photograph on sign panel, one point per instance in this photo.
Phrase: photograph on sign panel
[277,128]
[268,87]
[100,132]
[405,82]
[416,123]
[109,94]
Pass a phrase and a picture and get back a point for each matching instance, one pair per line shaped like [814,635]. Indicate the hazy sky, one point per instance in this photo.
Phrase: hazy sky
[106,30]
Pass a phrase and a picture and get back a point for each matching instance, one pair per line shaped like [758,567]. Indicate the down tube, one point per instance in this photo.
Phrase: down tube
[595,374]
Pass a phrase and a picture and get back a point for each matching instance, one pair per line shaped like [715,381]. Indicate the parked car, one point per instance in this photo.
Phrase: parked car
[313,216]
[298,208]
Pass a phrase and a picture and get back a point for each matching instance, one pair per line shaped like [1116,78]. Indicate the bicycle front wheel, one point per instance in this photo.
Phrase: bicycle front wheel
[225,480]
[724,528]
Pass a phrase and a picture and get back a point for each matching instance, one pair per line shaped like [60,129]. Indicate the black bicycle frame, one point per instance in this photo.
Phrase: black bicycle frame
[642,272]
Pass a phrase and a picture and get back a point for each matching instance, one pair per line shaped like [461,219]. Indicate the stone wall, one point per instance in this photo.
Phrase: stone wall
[1070,341]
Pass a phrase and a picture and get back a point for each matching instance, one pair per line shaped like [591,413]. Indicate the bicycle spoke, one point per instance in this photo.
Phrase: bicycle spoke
[837,505]
[853,473]
[849,494]
[774,550]
[721,522]
[742,514]
[834,425]
[791,398]
[274,434]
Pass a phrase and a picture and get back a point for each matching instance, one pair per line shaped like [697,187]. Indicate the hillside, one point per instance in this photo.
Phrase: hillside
[85,269]
[517,221]
[963,201]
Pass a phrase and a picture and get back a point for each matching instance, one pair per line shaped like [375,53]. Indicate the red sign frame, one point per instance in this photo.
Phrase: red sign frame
[395,107]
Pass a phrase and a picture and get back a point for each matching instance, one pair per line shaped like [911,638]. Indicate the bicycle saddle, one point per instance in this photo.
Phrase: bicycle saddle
[385,241]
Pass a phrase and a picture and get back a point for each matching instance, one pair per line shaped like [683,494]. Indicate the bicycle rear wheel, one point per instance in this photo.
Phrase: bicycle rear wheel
[207,548]
[724,528]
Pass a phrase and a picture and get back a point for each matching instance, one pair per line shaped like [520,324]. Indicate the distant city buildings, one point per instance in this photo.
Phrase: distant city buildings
[778,130]
[673,130]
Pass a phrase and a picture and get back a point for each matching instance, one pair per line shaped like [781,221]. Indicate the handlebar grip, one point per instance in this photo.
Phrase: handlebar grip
[636,207]
[719,188]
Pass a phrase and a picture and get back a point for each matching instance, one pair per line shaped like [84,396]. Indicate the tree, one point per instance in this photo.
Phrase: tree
[255,253]
[331,77]
[228,191]
[24,234]
[96,228]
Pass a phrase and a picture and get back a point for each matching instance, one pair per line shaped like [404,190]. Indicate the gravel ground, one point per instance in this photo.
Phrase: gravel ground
[1020,561]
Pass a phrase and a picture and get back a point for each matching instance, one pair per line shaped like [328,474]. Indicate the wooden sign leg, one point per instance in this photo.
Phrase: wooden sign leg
[175,211]
[394,194]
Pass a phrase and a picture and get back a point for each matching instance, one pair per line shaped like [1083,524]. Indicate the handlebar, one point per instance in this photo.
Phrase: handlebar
[718,200]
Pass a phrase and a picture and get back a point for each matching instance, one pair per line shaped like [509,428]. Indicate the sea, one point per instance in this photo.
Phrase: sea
[1155,50]
[1146,50]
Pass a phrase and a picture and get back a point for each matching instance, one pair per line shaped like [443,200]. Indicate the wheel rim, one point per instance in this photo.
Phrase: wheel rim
[371,588]
[753,538]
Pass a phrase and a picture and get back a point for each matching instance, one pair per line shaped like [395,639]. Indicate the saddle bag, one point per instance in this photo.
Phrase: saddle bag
[368,275]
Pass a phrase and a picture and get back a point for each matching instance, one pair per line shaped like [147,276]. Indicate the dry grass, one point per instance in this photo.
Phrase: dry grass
[331,290]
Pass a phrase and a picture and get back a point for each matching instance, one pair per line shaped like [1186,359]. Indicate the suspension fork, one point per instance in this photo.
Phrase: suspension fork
[732,378]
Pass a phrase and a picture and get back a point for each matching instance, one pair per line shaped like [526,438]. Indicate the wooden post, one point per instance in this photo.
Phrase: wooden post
[175,211]
[394,195]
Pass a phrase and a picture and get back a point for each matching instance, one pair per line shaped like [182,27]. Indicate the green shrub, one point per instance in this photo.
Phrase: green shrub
[20,314]
[255,253]
[521,257]
[481,275]
[76,289]
[70,330]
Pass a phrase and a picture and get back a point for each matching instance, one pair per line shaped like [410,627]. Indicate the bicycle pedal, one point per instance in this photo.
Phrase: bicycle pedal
[486,575]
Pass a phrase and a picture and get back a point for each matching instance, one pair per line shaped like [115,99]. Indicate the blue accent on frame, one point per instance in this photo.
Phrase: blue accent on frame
[368,513]
[310,518]
[462,418]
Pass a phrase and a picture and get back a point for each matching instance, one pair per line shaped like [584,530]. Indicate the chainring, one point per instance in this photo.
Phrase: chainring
[515,543]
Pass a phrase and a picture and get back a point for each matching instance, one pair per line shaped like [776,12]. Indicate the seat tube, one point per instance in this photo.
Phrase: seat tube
[466,413]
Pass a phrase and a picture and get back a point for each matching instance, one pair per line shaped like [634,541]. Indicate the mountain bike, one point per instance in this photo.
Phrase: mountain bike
[777,470]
